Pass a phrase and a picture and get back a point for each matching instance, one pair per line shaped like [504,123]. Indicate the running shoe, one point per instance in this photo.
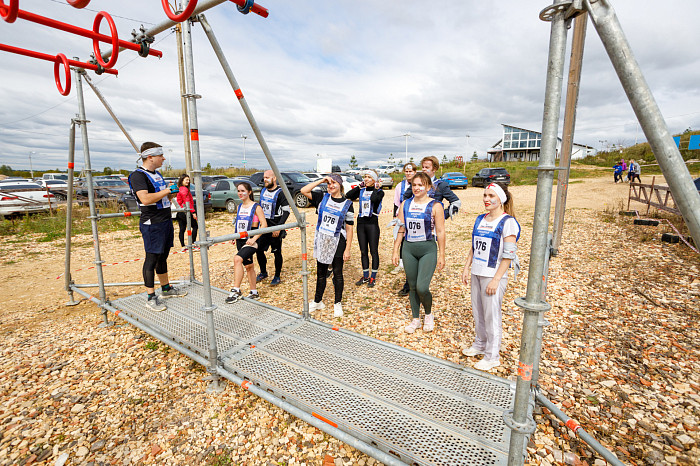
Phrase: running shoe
[155,304]
[429,323]
[173,292]
[397,269]
[487,365]
[338,310]
[372,282]
[362,281]
[252,295]
[261,276]
[471,351]
[404,291]
[234,296]
[275,281]
[410,328]
[314,306]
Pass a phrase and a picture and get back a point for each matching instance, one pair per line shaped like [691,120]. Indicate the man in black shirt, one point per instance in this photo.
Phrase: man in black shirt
[156,225]
[276,208]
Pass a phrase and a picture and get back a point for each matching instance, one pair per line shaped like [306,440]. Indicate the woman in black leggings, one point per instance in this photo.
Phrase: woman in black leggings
[370,195]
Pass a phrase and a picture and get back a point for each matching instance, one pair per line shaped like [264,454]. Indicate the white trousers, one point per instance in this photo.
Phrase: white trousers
[487,315]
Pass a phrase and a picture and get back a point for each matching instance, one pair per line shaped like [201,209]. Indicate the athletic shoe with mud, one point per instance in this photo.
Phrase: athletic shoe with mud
[275,281]
[404,291]
[155,304]
[362,281]
[233,296]
[410,328]
[252,295]
[261,276]
[372,282]
[173,292]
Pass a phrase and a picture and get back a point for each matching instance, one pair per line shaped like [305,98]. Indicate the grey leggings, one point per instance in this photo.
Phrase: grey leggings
[419,262]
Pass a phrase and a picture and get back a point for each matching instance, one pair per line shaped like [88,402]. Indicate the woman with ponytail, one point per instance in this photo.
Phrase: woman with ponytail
[493,250]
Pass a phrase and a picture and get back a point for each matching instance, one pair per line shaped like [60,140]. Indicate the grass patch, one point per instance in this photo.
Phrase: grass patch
[47,226]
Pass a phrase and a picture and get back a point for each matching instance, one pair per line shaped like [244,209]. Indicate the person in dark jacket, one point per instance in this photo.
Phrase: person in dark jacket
[276,209]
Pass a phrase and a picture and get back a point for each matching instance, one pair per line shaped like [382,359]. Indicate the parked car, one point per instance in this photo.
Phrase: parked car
[487,175]
[109,177]
[127,202]
[170,180]
[385,168]
[59,188]
[55,176]
[387,180]
[697,183]
[349,181]
[456,180]
[17,196]
[224,193]
[105,189]
[294,181]
[313,176]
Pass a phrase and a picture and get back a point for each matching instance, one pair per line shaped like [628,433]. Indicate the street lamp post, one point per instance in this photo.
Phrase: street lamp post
[31,168]
[244,137]
[407,135]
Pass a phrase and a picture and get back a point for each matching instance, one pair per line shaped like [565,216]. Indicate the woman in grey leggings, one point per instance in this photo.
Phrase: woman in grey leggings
[422,221]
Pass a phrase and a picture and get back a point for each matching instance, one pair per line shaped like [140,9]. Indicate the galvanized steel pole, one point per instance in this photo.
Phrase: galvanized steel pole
[111,113]
[567,139]
[216,385]
[519,420]
[69,213]
[650,118]
[78,73]
[266,150]
[183,99]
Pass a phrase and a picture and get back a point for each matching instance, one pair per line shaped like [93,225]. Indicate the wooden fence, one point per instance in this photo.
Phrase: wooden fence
[653,195]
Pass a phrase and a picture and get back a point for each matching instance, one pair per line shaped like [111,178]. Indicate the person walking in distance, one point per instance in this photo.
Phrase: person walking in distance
[184,196]
[494,238]
[409,171]
[155,224]
[276,209]
[421,221]
[249,216]
[440,191]
[370,194]
[634,172]
[333,238]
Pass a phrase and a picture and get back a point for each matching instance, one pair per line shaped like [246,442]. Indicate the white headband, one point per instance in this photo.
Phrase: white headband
[153,151]
[499,192]
[371,173]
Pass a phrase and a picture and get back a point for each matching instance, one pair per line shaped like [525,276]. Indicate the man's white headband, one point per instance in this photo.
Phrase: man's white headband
[499,192]
[153,151]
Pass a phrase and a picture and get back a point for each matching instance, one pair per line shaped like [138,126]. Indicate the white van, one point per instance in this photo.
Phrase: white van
[388,169]
[55,176]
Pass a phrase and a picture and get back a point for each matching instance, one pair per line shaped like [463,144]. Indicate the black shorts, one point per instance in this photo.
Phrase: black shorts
[269,241]
[158,237]
[246,252]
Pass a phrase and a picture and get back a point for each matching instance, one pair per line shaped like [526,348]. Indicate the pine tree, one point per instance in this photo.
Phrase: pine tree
[474,157]
[353,162]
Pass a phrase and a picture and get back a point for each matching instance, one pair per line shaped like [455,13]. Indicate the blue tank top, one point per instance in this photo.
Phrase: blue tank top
[158,183]
[268,202]
[366,204]
[486,244]
[331,215]
[418,220]
[244,217]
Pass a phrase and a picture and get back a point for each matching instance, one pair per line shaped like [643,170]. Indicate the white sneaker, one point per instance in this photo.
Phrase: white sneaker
[338,310]
[398,269]
[471,351]
[429,323]
[314,306]
[487,365]
[410,328]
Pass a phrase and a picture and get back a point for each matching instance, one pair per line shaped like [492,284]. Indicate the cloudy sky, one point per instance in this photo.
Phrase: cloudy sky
[338,79]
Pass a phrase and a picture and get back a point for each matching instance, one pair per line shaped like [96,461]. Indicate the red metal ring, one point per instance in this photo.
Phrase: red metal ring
[62,60]
[182,16]
[115,40]
[9,12]
[78,3]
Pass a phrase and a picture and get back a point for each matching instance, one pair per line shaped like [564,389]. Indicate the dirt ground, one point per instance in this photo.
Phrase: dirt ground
[620,355]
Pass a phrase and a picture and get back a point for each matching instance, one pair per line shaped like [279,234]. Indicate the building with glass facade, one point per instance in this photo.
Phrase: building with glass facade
[519,144]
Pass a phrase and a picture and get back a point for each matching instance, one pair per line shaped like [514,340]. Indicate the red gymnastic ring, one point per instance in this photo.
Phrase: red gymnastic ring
[78,3]
[115,40]
[9,12]
[61,60]
[182,16]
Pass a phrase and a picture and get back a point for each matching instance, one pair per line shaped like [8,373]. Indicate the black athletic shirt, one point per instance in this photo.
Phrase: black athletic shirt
[140,182]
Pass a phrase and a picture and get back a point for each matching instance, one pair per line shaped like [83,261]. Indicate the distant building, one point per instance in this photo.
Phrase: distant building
[519,144]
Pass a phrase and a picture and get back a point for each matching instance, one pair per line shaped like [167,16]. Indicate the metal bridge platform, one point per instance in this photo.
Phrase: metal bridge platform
[419,409]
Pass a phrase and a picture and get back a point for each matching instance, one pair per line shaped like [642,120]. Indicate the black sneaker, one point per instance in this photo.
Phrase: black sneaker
[276,281]
[372,282]
[252,295]
[173,292]
[261,276]
[362,281]
[404,291]
[234,296]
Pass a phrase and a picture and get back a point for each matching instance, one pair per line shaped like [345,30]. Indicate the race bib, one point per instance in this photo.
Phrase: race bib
[242,226]
[482,248]
[267,209]
[415,229]
[329,223]
[365,206]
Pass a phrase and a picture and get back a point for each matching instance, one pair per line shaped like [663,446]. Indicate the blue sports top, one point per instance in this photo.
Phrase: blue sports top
[366,209]
[244,217]
[418,220]
[158,183]
[268,202]
[331,215]
[487,244]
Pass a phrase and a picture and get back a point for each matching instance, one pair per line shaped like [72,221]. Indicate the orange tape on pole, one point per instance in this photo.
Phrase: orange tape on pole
[525,371]
[239,94]
[194,135]
[327,421]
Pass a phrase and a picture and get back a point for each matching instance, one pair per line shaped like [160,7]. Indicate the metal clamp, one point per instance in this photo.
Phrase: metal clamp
[543,168]
[571,8]
[527,428]
[539,306]
[192,96]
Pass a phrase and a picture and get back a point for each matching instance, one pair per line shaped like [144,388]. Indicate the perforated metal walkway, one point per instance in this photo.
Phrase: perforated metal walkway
[420,409]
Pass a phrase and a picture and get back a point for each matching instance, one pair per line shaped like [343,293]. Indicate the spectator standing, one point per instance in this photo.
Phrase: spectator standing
[617,173]
[184,195]
[276,208]
[634,171]
[409,171]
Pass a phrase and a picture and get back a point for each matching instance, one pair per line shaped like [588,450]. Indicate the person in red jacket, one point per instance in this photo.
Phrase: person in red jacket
[184,195]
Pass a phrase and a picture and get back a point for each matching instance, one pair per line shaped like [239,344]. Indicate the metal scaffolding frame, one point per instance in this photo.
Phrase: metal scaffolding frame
[519,419]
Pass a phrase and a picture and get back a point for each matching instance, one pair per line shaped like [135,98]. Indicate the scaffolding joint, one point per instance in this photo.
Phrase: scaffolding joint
[527,428]
[570,8]
[537,306]
[192,96]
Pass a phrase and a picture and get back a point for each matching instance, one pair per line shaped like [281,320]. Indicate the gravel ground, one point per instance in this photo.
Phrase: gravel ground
[620,354]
